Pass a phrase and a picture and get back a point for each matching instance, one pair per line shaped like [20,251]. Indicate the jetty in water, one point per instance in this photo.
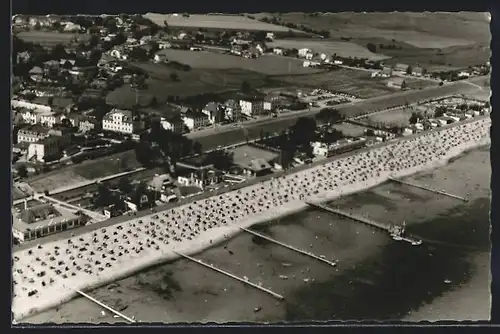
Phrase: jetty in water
[441,192]
[363,220]
[314,256]
[244,281]
[121,315]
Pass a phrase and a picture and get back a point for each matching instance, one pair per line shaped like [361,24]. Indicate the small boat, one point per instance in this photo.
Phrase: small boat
[447,281]
[306,280]
[245,278]
[283,277]
[416,242]
[286,264]
[257,309]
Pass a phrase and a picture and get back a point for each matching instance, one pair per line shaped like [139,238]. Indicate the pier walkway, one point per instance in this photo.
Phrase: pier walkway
[363,220]
[428,189]
[319,258]
[210,266]
[105,306]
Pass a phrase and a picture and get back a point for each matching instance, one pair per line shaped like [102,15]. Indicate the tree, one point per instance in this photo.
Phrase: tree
[154,102]
[245,87]
[125,186]
[197,147]
[409,70]
[439,111]
[50,101]
[371,47]
[329,116]
[221,159]
[174,76]
[413,118]
[303,131]
[22,171]
[38,26]
[104,196]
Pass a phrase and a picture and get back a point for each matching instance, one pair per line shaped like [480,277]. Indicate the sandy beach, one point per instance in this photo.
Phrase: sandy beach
[48,275]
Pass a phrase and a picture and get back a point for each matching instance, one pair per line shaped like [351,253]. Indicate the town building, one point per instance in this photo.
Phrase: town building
[32,134]
[121,121]
[417,71]
[201,178]
[88,123]
[401,68]
[43,220]
[398,83]
[195,120]
[252,107]
[303,52]
[214,112]
[173,123]
[233,110]
[278,51]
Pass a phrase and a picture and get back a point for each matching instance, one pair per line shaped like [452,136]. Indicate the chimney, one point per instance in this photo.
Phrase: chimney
[25,204]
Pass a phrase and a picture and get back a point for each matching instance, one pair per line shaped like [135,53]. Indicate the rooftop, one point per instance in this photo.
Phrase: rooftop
[40,216]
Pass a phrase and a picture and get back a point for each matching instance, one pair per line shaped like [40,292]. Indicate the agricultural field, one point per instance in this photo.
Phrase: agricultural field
[51,37]
[194,82]
[266,64]
[341,49]
[438,41]
[229,22]
[355,82]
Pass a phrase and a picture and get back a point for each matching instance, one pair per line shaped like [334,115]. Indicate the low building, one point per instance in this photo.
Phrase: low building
[43,220]
[88,123]
[195,120]
[36,74]
[201,178]
[401,68]
[398,83]
[233,110]
[303,52]
[257,167]
[121,121]
[32,134]
[417,71]
[252,107]
[173,123]
[214,112]
[320,149]
[160,58]
[279,51]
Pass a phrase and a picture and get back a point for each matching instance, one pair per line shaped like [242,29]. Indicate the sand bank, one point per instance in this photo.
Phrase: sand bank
[55,270]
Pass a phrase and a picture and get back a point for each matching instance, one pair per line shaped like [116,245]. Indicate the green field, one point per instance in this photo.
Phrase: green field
[194,82]
[230,22]
[355,82]
[341,49]
[51,37]
[436,41]
[266,64]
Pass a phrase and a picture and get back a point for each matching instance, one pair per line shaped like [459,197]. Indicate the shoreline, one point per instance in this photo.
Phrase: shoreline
[213,237]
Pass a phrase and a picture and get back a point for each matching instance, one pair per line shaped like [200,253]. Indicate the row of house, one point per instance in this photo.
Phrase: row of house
[43,144]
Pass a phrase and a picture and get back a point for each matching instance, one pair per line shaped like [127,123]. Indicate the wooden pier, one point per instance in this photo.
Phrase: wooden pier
[210,266]
[428,189]
[319,258]
[105,306]
[351,216]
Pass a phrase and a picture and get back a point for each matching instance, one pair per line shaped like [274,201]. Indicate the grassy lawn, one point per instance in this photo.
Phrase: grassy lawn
[399,117]
[350,130]
[56,179]
[266,64]
[358,83]
[51,37]
[116,163]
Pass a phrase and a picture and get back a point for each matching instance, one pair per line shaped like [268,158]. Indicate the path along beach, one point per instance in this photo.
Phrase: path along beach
[49,274]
